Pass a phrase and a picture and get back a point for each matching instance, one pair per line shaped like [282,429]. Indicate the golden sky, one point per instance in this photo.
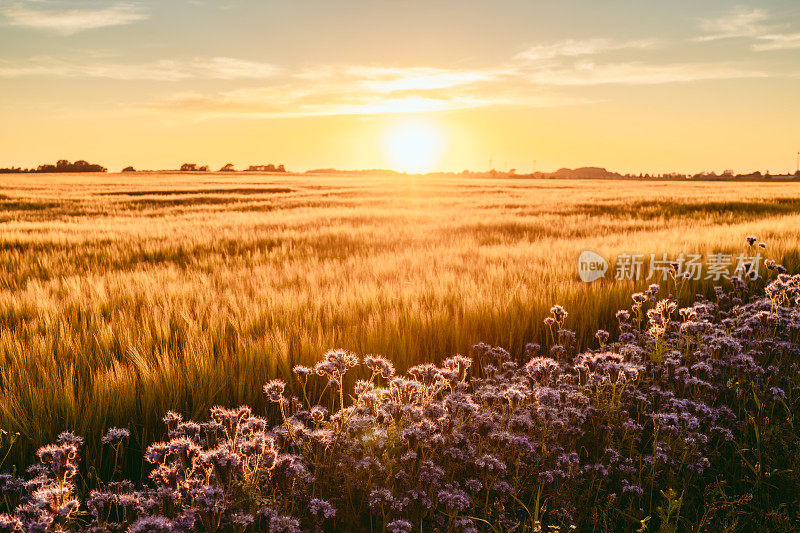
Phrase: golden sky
[635,86]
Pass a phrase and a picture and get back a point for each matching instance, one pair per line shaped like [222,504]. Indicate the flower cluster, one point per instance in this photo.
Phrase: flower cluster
[685,416]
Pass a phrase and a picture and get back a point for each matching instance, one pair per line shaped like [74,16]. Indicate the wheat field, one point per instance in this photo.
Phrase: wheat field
[123,296]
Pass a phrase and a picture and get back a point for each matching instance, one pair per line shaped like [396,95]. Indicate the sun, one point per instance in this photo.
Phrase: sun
[413,145]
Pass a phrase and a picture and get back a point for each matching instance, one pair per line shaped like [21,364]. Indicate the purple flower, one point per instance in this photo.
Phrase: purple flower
[399,526]
[274,390]
[284,524]
[60,459]
[380,498]
[379,366]
[115,435]
[11,523]
[453,498]
[777,393]
[321,508]
[151,524]
[240,520]
[335,363]
[490,463]
[559,313]
[68,437]
[630,488]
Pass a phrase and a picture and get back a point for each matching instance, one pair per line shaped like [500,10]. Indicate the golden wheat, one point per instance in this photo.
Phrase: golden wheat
[127,295]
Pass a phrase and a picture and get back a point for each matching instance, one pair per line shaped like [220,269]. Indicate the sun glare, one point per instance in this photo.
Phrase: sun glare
[413,145]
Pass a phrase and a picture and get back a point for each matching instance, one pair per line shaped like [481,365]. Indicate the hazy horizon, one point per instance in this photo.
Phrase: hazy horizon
[440,86]
[500,172]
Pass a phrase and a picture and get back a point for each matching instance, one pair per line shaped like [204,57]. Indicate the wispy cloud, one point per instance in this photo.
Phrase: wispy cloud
[225,68]
[288,101]
[577,48]
[749,23]
[777,41]
[577,63]
[386,80]
[273,102]
[545,75]
[742,21]
[43,16]
[365,90]
[369,90]
[638,73]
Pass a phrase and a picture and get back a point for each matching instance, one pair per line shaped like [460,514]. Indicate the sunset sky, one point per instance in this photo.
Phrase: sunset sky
[634,86]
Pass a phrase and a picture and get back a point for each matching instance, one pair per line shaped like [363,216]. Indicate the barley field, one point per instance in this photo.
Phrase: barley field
[124,296]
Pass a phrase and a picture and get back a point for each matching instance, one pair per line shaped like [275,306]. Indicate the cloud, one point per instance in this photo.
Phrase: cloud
[268,103]
[746,22]
[287,102]
[567,63]
[545,75]
[777,41]
[638,73]
[386,80]
[228,68]
[300,100]
[576,48]
[71,21]
[224,68]
[370,90]
[366,90]
[740,22]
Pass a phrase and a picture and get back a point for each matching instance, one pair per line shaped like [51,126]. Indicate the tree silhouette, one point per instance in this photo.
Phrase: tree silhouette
[62,165]
[266,168]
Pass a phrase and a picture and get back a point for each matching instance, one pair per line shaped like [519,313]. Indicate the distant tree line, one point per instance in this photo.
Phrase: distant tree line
[84,166]
[598,172]
[266,168]
[583,172]
[61,166]
[194,167]
[579,173]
